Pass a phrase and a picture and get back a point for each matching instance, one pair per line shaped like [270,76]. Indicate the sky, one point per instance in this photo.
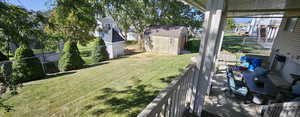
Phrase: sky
[43,5]
[238,20]
[35,5]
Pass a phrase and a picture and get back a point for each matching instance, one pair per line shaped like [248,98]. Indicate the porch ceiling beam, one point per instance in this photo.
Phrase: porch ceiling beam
[261,17]
[264,10]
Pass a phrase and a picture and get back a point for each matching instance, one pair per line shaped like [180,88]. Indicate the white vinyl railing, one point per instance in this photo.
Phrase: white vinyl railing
[176,99]
[287,109]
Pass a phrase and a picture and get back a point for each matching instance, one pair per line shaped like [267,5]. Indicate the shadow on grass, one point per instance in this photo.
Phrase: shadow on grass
[129,101]
[59,74]
[235,44]
[168,79]
[95,64]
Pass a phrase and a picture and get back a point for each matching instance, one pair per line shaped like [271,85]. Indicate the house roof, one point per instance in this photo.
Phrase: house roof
[167,31]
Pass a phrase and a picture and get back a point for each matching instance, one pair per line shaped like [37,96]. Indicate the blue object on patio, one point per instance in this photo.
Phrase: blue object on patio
[296,90]
[252,61]
[235,86]
[246,64]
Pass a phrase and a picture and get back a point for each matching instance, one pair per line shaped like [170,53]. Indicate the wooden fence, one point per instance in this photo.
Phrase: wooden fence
[176,99]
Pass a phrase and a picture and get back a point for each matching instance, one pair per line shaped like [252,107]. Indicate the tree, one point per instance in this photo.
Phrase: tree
[141,14]
[100,53]
[71,59]
[17,25]
[73,22]
[229,24]
[27,67]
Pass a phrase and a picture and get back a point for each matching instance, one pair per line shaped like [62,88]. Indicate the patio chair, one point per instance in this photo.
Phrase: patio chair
[235,86]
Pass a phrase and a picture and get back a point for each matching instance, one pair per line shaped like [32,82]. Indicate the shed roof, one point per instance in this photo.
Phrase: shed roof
[116,37]
[167,31]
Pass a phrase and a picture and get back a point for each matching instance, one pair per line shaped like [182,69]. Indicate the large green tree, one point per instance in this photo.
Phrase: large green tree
[72,21]
[229,24]
[143,13]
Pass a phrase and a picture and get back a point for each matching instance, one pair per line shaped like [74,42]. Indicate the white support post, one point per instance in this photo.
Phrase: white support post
[209,48]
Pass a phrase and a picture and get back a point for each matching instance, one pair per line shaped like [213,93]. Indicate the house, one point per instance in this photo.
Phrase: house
[265,28]
[166,39]
[132,35]
[241,27]
[188,92]
[108,30]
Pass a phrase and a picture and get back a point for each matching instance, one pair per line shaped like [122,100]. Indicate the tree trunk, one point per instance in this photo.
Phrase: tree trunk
[125,35]
[141,42]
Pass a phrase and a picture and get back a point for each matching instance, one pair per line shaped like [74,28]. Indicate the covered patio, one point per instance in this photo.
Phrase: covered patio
[192,93]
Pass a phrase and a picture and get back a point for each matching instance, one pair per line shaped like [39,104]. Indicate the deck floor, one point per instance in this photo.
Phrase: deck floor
[221,103]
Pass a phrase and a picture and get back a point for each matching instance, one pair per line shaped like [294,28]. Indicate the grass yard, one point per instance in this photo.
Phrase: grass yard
[234,44]
[117,88]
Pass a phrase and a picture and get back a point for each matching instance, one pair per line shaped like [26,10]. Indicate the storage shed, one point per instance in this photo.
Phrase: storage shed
[166,39]
[114,44]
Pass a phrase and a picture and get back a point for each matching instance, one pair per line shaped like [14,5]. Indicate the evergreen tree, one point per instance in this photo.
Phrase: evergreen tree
[71,59]
[27,67]
[100,53]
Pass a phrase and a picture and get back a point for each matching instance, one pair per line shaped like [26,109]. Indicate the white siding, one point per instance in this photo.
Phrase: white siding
[288,43]
[115,49]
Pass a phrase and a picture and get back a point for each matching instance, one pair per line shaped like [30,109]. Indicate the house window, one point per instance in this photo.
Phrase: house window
[291,24]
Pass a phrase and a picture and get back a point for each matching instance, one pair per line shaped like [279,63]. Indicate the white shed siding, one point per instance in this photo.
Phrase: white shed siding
[115,49]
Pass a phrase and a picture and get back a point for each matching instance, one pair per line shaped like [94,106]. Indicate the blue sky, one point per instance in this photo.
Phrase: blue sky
[43,5]
[36,5]
[242,19]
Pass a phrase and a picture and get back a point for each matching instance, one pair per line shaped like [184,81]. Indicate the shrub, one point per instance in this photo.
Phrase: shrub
[100,53]
[85,53]
[71,59]
[51,67]
[3,57]
[193,45]
[24,68]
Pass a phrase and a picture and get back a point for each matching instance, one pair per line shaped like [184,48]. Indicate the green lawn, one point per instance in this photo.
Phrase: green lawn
[117,88]
[235,44]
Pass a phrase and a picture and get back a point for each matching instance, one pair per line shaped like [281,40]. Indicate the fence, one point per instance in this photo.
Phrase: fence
[287,109]
[178,98]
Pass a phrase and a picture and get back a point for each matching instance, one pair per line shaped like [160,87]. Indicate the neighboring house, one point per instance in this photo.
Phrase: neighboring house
[241,27]
[166,39]
[132,35]
[265,29]
[110,33]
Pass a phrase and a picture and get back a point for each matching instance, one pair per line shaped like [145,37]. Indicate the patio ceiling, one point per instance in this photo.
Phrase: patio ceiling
[241,8]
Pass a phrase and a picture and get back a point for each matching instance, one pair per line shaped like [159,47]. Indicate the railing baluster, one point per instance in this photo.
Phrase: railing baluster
[174,101]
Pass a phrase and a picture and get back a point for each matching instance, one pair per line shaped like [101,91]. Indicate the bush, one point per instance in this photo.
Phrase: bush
[26,69]
[5,75]
[51,67]
[131,42]
[85,53]
[71,59]
[193,45]
[3,57]
[100,53]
